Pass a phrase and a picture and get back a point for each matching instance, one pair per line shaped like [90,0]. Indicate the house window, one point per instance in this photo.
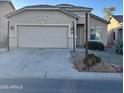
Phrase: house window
[92,34]
[95,34]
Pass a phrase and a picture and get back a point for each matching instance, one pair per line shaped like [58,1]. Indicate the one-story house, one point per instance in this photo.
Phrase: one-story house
[47,26]
[115,29]
[6,7]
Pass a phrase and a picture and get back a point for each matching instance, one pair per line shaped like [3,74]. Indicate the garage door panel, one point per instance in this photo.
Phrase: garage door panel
[38,36]
[44,45]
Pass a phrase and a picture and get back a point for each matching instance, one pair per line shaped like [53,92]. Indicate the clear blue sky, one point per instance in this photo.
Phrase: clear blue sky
[97,5]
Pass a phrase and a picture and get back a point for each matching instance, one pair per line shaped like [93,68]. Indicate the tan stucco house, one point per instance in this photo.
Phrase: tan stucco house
[115,29]
[46,26]
[5,7]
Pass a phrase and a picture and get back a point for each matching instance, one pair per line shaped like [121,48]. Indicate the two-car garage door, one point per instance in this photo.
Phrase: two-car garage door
[37,36]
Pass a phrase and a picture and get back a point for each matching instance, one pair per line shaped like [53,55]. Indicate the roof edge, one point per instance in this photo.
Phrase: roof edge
[99,18]
[12,5]
[85,10]
[114,16]
[25,8]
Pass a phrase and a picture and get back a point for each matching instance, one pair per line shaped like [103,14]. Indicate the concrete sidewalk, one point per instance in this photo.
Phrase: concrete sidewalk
[3,50]
[63,75]
[84,75]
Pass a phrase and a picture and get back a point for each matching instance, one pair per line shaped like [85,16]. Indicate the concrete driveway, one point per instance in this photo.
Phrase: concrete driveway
[44,64]
[35,62]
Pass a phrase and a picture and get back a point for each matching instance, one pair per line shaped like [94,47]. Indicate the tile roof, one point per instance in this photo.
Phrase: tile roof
[119,18]
[59,6]
[41,6]
[49,7]
[70,6]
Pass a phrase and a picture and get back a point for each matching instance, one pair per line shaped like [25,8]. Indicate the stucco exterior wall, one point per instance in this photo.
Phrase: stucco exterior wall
[113,24]
[40,17]
[82,16]
[5,8]
[95,23]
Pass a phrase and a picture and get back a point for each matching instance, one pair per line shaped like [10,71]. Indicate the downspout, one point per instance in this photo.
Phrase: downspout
[8,35]
[86,51]
[73,36]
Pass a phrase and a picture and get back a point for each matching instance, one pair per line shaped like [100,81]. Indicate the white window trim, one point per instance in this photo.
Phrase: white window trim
[96,28]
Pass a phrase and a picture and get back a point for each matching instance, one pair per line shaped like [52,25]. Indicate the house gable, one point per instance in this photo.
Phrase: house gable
[38,16]
[113,23]
[41,9]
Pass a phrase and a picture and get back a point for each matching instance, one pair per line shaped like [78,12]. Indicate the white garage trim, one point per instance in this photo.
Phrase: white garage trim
[28,24]
[59,25]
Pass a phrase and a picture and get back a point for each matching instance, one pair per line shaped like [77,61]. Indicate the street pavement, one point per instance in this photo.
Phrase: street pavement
[60,86]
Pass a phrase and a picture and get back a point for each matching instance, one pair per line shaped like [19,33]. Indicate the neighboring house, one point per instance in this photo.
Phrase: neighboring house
[115,29]
[5,7]
[47,26]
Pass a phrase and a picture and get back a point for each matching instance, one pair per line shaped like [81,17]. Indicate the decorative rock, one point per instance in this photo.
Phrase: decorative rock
[94,64]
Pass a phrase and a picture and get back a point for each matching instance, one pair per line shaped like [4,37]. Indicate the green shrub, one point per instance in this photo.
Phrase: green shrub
[119,47]
[100,47]
[95,45]
[92,45]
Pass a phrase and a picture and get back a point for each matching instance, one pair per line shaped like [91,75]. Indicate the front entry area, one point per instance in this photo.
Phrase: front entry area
[37,36]
[80,35]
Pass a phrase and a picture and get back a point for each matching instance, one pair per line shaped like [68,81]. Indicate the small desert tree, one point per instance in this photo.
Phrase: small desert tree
[108,11]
